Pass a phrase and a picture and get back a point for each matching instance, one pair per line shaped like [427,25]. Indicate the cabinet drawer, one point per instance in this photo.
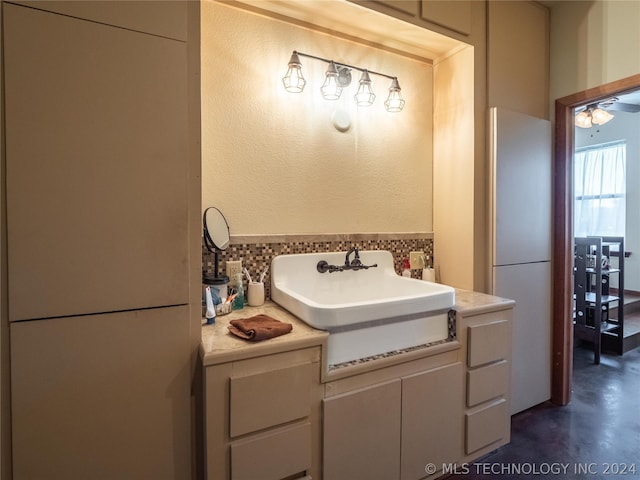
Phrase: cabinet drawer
[486,426]
[487,382]
[268,399]
[488,342]
[273,456]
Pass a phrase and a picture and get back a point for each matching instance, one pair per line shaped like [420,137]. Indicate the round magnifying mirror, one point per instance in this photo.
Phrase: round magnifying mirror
[216,229]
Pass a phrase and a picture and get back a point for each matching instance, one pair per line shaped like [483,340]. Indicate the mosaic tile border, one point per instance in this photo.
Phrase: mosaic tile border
[257,251]
[329,237]
[393,353]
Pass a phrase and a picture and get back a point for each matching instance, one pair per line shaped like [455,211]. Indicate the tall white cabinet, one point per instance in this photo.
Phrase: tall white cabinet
[96,130]
[100,161]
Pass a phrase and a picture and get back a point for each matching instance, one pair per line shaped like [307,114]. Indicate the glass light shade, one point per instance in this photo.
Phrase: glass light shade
[600,117]
[331,90]
[293,81]
[365,96]
[583,119]
[394,102]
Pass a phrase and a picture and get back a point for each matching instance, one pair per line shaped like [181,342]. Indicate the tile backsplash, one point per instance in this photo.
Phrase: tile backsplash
[257,251]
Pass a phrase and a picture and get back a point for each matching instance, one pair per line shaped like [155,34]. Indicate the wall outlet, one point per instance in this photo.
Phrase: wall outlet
[234,267]
[416,259]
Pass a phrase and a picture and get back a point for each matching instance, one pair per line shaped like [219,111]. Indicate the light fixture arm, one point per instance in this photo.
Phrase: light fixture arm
[340,64]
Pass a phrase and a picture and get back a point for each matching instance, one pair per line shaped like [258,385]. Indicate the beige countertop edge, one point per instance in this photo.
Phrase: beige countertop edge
[257,349]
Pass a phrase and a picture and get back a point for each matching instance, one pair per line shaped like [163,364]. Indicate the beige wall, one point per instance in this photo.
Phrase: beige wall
[455,177]
[593,43]
[273,162]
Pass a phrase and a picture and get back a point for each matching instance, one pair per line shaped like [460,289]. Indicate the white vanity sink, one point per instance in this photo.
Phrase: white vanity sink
[368,312]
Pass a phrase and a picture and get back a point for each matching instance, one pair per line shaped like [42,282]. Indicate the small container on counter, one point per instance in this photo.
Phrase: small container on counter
[256,294]
[219,290]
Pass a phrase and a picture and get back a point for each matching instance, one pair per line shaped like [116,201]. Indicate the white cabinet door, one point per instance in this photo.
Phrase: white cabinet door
[97,168]
[158,17]
[431,420]
[102,396]
[530,286]
[520,161]
[362,433]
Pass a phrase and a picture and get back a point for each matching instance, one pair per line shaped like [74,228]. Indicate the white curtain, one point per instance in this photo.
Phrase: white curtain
[599,189]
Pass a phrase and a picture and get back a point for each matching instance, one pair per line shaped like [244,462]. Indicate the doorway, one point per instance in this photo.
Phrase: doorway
[562,346]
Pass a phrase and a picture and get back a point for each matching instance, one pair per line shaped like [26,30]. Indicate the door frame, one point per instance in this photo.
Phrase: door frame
[562,345]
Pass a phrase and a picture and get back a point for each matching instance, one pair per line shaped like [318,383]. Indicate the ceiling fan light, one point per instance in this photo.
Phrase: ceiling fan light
[600,117]
[583,119]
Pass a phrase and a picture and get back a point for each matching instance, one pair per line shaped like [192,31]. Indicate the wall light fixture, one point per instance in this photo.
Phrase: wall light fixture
[337,77]
[294,81]
[331,89]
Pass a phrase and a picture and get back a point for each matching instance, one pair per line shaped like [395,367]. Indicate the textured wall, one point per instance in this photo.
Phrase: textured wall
[273,162]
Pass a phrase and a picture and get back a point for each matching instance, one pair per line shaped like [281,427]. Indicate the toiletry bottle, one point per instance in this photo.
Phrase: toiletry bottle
[238,302]
[428,273]
[211,310]
[406,268]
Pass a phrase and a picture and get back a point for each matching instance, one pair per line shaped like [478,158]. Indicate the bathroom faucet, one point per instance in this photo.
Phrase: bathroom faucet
[356,259]
[355,264]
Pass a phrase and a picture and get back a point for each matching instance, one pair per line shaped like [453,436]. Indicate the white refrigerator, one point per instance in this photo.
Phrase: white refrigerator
[521,177]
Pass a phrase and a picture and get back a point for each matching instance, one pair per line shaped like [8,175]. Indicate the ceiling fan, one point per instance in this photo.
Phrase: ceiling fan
[597,113]
[612,103]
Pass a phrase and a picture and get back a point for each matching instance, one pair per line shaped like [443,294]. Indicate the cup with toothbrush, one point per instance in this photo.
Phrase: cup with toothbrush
[256,289]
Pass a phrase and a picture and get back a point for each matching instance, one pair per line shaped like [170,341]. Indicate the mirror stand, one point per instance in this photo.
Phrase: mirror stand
[216,239]
[216,257]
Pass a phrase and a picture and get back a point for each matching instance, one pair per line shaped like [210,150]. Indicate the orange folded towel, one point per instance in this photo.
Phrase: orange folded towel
[259,327]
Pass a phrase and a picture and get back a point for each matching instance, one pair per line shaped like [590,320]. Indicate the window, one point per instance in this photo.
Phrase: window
[599,187]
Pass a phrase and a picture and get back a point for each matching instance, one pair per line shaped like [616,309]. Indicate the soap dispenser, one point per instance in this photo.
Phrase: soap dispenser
[428,273]
[406,268]
[238,302]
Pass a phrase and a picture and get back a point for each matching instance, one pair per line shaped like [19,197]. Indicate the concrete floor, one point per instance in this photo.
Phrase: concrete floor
[596,436]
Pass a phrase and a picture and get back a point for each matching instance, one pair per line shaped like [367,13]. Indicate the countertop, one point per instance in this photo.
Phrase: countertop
[469,302]
[220,346]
